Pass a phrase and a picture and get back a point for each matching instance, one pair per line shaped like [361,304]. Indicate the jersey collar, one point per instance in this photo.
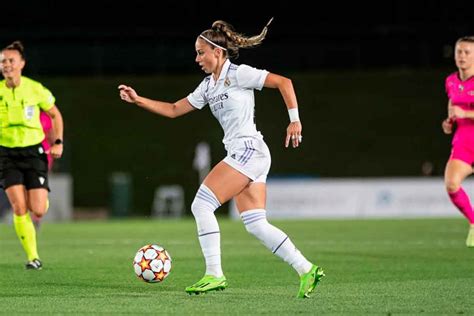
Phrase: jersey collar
[223,74]
[458,75]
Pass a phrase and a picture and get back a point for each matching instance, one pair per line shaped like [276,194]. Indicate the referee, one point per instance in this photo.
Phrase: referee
[23,160]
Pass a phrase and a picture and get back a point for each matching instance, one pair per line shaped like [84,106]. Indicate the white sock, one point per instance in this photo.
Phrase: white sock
[274,239]
[203,207]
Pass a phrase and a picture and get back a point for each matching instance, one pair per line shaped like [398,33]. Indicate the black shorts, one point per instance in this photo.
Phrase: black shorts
[26,165]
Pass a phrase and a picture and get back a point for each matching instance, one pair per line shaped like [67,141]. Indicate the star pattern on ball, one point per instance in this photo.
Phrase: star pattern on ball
[162,256]
[160,275]
[145,264]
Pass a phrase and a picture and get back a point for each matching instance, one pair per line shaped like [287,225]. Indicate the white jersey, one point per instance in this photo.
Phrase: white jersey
[231,99]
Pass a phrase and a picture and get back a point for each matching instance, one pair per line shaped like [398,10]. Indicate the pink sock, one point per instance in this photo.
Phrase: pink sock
[461,200]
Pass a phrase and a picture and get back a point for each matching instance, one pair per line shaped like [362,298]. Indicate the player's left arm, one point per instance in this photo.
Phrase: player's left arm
[285,86]
[56,149]
[457,112]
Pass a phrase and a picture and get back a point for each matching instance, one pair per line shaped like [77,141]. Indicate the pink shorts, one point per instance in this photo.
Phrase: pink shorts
[463,153]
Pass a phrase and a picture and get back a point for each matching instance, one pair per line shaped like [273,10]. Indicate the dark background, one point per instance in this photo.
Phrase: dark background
[369,79]
[146,37]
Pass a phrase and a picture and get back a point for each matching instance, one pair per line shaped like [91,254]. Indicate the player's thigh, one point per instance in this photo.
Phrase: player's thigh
[225,182]
[17,197]
[37,200]
[252,197]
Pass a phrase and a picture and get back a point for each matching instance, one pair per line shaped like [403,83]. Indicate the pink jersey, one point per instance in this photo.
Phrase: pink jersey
[47,126]
[461,93]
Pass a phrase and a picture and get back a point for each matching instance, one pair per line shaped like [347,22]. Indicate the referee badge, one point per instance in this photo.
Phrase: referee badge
[29,112]
[226,82]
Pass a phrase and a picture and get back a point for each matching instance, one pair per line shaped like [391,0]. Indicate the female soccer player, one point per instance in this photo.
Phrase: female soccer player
[228,89]
[460,90]
[23,161]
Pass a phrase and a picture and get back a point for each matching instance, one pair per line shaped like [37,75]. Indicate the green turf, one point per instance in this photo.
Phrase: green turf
[372,266]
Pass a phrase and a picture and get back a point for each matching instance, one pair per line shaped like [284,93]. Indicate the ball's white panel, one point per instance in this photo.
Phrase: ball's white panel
[150,254]
[148,275]
[138,256]
[167,266]
[138,269]
[156,265]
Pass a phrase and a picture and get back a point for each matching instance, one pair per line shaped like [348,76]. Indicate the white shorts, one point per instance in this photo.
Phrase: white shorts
[251,157]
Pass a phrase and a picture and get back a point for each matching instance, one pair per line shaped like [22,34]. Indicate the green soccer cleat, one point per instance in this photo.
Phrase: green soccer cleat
[308,281]
[470,237]
[206,284]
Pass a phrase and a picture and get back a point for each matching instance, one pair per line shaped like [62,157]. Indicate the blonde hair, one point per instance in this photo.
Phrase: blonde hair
[223,35]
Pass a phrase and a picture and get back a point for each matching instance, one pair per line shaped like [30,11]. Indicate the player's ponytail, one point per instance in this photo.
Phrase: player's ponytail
[224,36]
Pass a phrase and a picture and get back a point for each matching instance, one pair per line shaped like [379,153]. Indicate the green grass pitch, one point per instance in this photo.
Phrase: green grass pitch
[416,266]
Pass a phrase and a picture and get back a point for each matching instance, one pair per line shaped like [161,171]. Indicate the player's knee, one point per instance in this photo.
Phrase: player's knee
[452,185]
[38,214]
[19,209]
[199,205]
[39,210]
[204,201]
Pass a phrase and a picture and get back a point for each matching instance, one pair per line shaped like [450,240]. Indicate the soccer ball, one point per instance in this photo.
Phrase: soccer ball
[152,263]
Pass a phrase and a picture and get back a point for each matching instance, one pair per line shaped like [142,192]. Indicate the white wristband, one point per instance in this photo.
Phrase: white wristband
[294,115]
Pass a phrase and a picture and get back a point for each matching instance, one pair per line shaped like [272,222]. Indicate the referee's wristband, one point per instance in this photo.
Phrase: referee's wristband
[294,115]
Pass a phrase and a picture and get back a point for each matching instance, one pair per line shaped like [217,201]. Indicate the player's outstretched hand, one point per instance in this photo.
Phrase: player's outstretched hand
[127,93]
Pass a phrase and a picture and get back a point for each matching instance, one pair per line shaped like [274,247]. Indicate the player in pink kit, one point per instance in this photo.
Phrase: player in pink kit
[460,90]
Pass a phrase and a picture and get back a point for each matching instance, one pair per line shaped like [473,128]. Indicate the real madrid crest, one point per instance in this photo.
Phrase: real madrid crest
[227,82]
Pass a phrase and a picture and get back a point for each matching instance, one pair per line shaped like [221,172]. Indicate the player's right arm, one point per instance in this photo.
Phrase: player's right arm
[447,124]
[166,109]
